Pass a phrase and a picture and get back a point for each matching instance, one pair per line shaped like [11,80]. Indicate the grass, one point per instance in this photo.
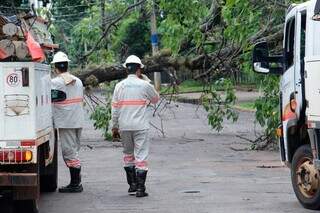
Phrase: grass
[190,86]
[187,86]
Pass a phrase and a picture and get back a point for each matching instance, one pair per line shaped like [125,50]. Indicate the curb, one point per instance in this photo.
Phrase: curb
[198,102]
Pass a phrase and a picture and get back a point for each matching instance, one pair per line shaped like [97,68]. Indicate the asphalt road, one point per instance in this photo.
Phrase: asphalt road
[192,170]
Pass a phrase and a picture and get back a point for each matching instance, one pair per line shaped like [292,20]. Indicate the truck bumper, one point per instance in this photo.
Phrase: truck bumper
[19,186]
[18,179]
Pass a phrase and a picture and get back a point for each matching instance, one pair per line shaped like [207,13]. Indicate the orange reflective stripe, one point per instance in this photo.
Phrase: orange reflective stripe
[289,116]
[115,105]
[142,165]
[70,101]
[128,159]
[137,102]
[73,163]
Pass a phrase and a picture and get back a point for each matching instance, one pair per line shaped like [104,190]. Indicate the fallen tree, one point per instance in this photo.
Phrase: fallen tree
[207,65]
[223,59]
[221,49]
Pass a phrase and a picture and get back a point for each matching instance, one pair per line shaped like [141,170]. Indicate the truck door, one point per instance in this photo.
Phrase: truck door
[300,47]
[312,73]
[287,83]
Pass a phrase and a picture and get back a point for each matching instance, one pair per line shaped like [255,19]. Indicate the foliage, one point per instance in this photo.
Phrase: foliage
[102,114]
[220,106]
[79,25]
[247,105]
[101,117]
[190,86]
[244,20]
[84,36]
[65,15]
[184,87]
[132,37]
[267,106]
[8,3]
[180,23]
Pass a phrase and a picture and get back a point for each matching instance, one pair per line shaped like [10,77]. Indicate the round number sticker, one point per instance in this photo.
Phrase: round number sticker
[13,80]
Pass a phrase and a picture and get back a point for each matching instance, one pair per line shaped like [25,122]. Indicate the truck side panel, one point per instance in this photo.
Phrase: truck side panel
[25,101]
[18,115]
[312,64]
[313,32]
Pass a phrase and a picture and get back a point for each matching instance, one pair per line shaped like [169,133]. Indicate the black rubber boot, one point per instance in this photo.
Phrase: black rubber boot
[141,180]
[75,183]
[131,178]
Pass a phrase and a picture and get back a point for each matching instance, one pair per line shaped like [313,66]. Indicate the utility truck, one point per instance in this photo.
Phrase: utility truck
[299,68]
[28,146]
[28,143]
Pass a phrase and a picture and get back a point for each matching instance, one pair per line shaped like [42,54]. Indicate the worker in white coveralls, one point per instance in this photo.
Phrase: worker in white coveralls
[68,116]
[130,117]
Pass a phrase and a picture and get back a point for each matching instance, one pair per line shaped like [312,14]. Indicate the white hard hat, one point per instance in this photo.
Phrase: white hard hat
[132,59]
[60,57]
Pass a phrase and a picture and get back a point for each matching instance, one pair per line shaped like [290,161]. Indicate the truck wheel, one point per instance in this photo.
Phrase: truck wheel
[7,206]
[305,178]
[49,181]
[31,206]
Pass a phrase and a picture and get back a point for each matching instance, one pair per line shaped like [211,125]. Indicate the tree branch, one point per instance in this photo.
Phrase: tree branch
[113,23]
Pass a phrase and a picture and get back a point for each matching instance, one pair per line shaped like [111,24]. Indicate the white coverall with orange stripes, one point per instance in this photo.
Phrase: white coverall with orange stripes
[68,117]
[131,114]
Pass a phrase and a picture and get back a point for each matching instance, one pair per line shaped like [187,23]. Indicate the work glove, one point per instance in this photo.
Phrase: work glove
[67,78]
[115,135]
[144,77]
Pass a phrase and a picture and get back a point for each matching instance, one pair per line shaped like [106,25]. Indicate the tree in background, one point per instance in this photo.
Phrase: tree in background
[65,16]
[132,37]
[8,3]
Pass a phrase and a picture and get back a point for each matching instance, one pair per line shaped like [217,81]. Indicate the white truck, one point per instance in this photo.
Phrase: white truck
[28,146]
[299,68]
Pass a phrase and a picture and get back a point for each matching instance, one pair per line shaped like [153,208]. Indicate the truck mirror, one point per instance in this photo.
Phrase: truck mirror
[316,16]
[58,96]
[261,58]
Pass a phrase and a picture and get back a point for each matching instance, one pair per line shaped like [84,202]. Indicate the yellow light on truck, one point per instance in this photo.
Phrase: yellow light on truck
[28,155]
[279,132]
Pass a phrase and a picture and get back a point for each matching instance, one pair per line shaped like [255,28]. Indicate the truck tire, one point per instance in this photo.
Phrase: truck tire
[305,178]
[31,206]
[49,181]
[7,206]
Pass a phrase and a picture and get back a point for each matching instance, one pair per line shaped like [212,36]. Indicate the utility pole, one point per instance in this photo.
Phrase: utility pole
[155,45]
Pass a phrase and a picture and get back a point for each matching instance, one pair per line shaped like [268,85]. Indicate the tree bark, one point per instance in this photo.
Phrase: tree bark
[115,72]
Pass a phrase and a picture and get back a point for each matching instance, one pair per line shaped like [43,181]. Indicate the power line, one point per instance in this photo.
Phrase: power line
[53,7]
[69,20]
[74,6]
[70,15]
